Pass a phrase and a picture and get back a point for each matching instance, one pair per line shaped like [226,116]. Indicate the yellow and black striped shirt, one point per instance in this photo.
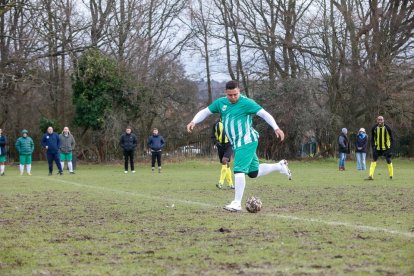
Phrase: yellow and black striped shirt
[381,137]
[218,133]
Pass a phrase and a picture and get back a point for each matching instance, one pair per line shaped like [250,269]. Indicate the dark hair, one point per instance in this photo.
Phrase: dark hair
[232,85]
[128,127]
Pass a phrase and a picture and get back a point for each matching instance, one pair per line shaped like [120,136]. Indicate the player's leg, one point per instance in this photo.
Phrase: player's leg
[243,158]
[69,157]
[373,164]
[228,153]
[387,155]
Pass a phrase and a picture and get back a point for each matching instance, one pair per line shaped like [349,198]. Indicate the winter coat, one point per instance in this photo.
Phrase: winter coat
[343,143]
[52,142]
[3,142]
[67,143]
[25,145]
[156,142]
[361,142]
[128,141]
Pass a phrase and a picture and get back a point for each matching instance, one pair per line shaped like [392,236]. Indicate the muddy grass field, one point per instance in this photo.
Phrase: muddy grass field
[103,222]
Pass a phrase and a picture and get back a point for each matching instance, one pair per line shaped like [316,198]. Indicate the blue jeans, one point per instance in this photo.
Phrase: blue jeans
[360,157]
[342,158]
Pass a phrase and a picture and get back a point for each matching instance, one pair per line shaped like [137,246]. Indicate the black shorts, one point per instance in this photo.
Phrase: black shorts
[386,153]
[225,151]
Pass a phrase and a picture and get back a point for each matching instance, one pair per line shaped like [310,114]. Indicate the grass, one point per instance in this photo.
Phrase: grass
[103,222]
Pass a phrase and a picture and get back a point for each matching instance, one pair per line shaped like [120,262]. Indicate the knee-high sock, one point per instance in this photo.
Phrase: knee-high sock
[390,169]
[240,184]
[21,169]
[70,166]
[62,164]
[223,173]
[268,168]
[1,169]
[372,169]
[228,176]
[29,168]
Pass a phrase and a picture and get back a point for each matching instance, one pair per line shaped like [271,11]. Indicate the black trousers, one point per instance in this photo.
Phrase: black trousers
[129,155]
[156,155]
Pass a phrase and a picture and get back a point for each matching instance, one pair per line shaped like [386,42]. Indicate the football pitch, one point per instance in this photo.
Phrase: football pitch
[101,221]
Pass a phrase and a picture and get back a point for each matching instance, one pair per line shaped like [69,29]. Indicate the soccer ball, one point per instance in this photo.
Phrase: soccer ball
[253,204]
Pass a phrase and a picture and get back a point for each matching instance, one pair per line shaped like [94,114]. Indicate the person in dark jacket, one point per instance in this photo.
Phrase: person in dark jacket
[128,143]
[382,141]
[343,148]
[156,143]
[361,144]
[3,142]
[225,152]
[51,143]
[25,147]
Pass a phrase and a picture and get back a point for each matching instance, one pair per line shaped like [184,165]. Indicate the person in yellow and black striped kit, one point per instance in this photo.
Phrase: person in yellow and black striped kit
[381,142]
[225,152]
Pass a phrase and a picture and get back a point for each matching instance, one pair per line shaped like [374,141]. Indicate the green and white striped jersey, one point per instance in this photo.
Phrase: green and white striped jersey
[237,119]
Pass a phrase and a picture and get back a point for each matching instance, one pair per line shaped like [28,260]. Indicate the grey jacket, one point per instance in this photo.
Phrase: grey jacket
[67,143]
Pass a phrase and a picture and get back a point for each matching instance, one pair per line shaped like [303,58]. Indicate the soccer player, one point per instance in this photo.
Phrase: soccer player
[3,142]
[25,148]
[51,143]
[67,145]
[236,113]
[225,152]
[382,142]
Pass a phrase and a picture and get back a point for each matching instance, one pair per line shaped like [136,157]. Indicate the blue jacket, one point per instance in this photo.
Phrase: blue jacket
[3,141]
[361,142]
[156,143]
[51,141]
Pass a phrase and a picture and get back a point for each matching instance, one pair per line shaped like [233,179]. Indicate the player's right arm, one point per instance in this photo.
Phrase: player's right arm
[198,118]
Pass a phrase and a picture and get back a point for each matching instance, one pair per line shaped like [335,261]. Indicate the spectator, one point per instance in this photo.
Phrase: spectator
[128,143]
[25,148]
[361,149]
[156,143]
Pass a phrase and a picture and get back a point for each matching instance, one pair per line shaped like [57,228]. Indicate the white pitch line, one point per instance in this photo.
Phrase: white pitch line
[287,217]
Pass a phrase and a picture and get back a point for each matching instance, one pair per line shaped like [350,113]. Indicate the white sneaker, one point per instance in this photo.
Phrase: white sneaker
[125,171]
[234,206]
[133,171]
[285,170]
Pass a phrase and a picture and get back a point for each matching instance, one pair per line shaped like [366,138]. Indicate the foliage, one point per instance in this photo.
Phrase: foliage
[97,87]
[45,123]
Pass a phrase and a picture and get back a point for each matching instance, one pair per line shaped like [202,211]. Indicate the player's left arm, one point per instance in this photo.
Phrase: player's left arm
[271,121]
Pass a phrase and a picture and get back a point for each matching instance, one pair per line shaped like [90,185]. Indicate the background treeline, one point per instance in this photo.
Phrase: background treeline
[99,65]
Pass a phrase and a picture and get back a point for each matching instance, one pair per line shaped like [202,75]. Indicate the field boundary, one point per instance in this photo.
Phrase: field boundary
[365,228]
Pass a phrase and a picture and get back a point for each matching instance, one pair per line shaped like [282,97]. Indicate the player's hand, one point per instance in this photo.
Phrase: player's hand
[280,134]
[190,127]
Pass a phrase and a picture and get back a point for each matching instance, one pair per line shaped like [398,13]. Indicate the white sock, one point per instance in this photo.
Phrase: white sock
[240,184]
[268,168]
[29,168]
[1,169]
[21,169]
[62,164]
[69,166]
